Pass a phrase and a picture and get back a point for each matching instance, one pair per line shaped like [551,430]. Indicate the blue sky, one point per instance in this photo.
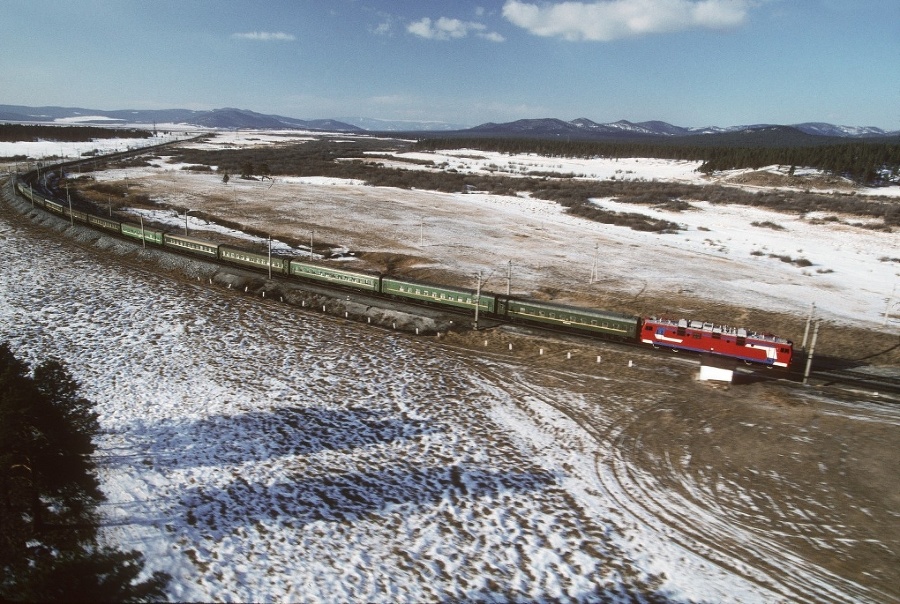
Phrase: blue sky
[687,62]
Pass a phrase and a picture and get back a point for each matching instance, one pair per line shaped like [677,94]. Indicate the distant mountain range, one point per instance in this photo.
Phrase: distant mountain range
[227,118]
[583,128]
[377,125]
[578,129]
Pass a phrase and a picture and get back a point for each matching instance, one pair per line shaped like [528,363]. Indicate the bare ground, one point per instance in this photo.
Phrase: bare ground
[793,487]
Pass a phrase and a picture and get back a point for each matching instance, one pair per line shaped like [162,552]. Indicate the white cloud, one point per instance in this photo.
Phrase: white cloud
[383,29]
[606,20]
[265,36]
[445,28]
[492,36]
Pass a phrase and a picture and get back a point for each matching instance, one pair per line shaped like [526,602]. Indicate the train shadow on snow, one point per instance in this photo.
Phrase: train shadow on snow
[352,496]
[257,436]
[307,488]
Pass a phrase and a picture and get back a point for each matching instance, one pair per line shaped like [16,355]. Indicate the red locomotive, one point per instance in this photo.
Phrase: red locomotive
[707,338]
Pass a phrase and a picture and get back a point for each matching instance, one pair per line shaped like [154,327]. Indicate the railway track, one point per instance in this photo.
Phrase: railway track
[885,386]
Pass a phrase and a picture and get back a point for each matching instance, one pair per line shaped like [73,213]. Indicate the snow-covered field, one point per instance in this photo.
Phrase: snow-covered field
[257,452]
[748,257]
[260,453]
[57,150]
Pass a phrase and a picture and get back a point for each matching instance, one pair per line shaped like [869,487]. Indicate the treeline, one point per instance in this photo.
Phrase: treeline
[14,133]
[866,162]
[676,197]
[49,495]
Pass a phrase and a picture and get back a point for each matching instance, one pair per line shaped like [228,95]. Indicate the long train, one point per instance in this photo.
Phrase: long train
[695,336]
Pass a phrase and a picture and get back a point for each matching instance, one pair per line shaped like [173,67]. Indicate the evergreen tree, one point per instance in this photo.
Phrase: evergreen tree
[90,574]
[49,493]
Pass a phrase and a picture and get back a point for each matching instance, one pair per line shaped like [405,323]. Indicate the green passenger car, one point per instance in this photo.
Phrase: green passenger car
[193,245]
[78,215]
[27,192]
[253,259]
[336,276]
[54,207]
[438,294]
[135,230]
[582,319]
[105,223]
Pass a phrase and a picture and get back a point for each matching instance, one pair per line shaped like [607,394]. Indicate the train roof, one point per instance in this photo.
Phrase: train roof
[190,239]
[438,286]
[608,314]
[146,227]
[336,269]
[739,332]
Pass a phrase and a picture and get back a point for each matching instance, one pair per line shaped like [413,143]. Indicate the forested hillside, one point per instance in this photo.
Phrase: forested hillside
[11,133]
[869,162]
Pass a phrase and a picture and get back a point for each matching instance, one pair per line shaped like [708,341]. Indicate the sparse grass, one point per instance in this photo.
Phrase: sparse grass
[802,262]
[638,222]
[768,225]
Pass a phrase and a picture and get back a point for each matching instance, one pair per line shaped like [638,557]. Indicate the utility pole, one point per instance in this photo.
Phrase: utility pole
[887,309]
[594,264]
[508,278]
[186,222]
[270,256]
[71,216]
[812,350]
[812,311]
[311,233]
[477,299]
